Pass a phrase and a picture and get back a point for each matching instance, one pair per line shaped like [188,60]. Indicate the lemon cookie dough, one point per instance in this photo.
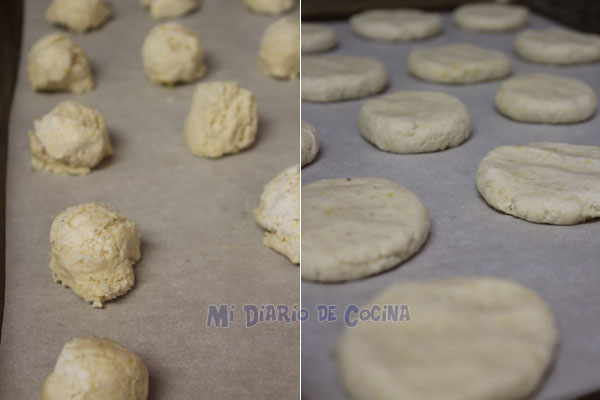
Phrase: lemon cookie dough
[396,24]
[491,17]
[55,62]
[94,368]
[558,46]
[223,119]
[270,6]
[317,38]
[279,54]
[173,53]
[71,139]
[78,15]
[279,213]
[468,338]
[169,8]
[309,143]
[92,251]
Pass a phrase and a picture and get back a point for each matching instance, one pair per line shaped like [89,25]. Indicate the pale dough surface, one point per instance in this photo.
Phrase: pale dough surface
[169,8]
[414,121]
[353,228]
[92,251]
[458,63]
[558,46]
[279,54]
[544,182]
[270,6]
[469,338]
[78,15]
[279,213]
[396,25]
[546,98]
[70,139]
[309,143]
[338,77]
[55,62]
[317,38]
[93,368]
[493,17]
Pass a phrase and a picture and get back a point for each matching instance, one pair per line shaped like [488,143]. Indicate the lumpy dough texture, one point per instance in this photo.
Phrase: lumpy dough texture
[169,8]
[270,6]
[93,250]
[396,25]
[78,15]
[279,54]
[92,368]
[223,119]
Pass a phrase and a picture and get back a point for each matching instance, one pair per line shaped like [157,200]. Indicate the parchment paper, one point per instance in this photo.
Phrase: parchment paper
[467,237]
[200,244]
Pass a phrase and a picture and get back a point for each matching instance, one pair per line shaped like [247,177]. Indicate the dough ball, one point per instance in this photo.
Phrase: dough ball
[396,25]
[317,38]
[169,8]
[558,46]
[78,15]
[223,119]
[458,63]
[545,182]
[491,17]
[92,251]
[468,338]
[279,54]
[55,62]
[309,143]
[337,77]
[93,368]
[173,54]
[353,228]
[279,213]
[270,6]
[546,98]
[414,122]
[71,139]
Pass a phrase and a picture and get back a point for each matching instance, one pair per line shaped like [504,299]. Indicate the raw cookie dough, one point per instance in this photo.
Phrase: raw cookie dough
[270,6]
[279,53]
[458,63]
[544,182]
[337,77]
[546,98]
[169,8]
[353,228]
[71,139]
[173,53]
[396,24]
[78,15]
[94,368]
[558,46]
[55,62]
[468,338]
[279,213]
[223,119]
[414,122]
[92,251]
[317,38]
[309,143]
[491,17]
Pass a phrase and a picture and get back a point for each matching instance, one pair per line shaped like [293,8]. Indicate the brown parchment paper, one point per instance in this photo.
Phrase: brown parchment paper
[200,244]
[562,263]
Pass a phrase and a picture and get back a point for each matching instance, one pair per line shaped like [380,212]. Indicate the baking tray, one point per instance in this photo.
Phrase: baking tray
[200,244]
[562,263]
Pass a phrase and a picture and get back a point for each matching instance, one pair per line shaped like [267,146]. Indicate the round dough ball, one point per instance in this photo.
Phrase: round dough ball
[317,38]
[279,53]
[491,17]
[353,228]
[169,8]
[414,122]
[270,6]
[92,251]
[223,119]
[55,62]
[78,15]
[71,139]
[173,54]
[309,143]
[546,98]
[396,25]
[558,46]
[468,338]
[545,182]
[458,63]
[279,213]
[93,368]
[336,77]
